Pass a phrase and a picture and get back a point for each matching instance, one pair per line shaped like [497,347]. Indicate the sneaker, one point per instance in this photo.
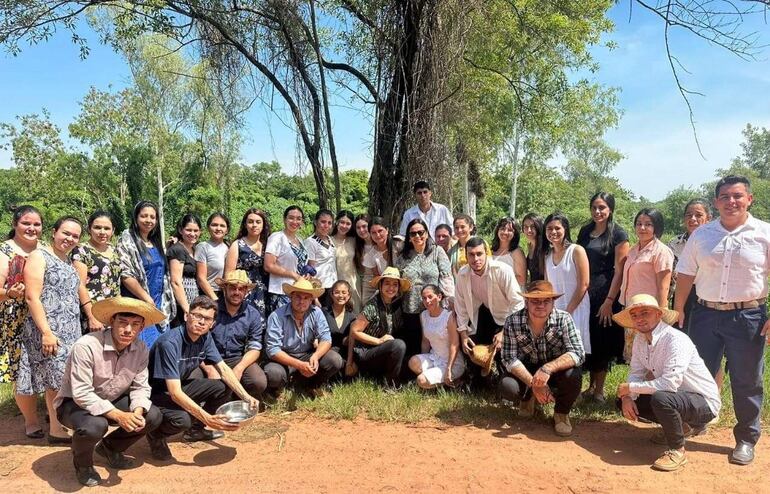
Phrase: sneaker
[527,408]
[115,459]
[194,435]
[562,425]
[688,432]
[87,476]
[159,449]
[670,461]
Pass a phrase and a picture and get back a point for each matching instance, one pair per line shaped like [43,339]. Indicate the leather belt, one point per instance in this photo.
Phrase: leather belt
[750,304]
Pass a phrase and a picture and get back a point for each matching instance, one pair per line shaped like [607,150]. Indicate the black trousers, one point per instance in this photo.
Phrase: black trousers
[487,327]
[278,375]
[90,429]
[386,359]
[253,379]
[565,387]
[410,333]
[209,393]
[673,409]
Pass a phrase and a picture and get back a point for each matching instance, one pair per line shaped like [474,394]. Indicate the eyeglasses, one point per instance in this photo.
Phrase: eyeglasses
[200,317]
[416,233]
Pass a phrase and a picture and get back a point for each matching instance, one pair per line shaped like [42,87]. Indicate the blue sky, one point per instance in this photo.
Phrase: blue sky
[654,133]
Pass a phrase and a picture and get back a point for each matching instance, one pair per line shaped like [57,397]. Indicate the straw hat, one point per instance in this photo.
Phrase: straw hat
[303,286]
[394,274]
[484,358]
[540,289]
[623,318]
[103,310]
[237,277]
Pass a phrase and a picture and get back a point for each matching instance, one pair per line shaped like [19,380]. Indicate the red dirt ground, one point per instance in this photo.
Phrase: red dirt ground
[302,453]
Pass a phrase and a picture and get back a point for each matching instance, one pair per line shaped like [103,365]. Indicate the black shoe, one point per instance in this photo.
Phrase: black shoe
[159,449]
[36,434]
[743,454]
[87,476]
[59,440]
[194,435]
[115,459]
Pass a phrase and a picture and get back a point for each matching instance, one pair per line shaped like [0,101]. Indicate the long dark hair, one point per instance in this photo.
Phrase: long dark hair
[516,234]
[244,231]
[184,221]
[606,238]
[225,218]
[344,213]
[154,235]
[561,218]
[409,251]
[390,251]
[360,243]
[538,253]
[20,211]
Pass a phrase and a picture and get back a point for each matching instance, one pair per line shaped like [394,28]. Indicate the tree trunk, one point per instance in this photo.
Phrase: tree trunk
[161,216]
[515,171]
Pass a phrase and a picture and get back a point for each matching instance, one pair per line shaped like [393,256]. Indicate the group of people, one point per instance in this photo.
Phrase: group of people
[155,337]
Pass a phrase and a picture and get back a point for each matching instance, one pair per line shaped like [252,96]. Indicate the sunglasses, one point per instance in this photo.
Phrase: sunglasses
[417,233]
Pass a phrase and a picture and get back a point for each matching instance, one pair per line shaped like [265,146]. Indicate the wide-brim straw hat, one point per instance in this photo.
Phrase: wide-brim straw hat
[540,289]
[103,310]
[393,274]
[484,357]
[623,318]
[236,277]
[302,286]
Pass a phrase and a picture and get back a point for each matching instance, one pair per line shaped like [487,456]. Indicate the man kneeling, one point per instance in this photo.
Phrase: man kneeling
[668,382]
[188,403]
[105,382]
[542,353]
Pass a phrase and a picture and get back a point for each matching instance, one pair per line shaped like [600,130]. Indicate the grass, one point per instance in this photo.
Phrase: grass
[367,399]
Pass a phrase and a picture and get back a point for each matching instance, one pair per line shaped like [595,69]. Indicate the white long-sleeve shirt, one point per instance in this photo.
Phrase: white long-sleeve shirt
[674,364]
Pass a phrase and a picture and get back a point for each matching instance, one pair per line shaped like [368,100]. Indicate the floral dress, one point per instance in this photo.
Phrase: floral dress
[102,274]
[12,315]
[253,263]
[38,372]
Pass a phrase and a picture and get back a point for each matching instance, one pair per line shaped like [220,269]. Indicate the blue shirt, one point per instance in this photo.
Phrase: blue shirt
[282,334]
[174,356]
[235,335]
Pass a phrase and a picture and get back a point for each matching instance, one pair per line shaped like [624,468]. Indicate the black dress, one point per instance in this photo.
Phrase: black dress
[339,332]
[606,342]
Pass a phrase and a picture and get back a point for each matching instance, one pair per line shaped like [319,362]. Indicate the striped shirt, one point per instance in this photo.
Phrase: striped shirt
[559,337]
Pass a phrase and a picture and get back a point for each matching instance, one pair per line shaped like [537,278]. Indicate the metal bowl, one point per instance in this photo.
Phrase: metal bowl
[237,412]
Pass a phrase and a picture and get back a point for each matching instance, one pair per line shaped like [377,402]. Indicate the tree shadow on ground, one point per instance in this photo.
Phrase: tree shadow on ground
[613,440]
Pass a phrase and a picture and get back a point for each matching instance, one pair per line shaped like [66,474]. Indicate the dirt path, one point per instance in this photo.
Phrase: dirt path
[305,454]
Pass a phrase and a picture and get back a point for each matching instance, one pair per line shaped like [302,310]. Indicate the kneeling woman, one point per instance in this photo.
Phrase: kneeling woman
[376,348]
[441,361]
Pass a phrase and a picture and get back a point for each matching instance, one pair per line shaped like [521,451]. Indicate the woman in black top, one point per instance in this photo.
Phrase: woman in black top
[339,315]
[606,245]
[182,265]
[532,227]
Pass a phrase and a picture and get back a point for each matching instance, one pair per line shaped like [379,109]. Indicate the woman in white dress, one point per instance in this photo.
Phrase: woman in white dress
[505,248]
[566,267]
[344,237]
[441,361]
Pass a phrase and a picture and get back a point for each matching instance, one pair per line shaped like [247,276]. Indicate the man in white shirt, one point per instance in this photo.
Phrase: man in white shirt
[668,382]
[432,213]
[728,259]
[486,293]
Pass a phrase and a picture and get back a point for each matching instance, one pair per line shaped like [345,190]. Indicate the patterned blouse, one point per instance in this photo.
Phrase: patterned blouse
[421,270]
[102,271]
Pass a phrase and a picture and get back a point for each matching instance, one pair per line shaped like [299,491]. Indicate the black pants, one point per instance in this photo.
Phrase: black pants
[410,333]
[486,329]
[90,429]
[253,379]
[278,375]
[565,387]
[209,393]
[673,409]
[386,359]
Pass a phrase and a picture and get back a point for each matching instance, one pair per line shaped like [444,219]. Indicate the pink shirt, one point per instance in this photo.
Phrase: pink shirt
[641,269]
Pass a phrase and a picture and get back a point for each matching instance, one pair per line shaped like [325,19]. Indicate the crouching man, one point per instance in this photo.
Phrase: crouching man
[187,403]
[668,382]
[105,383]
